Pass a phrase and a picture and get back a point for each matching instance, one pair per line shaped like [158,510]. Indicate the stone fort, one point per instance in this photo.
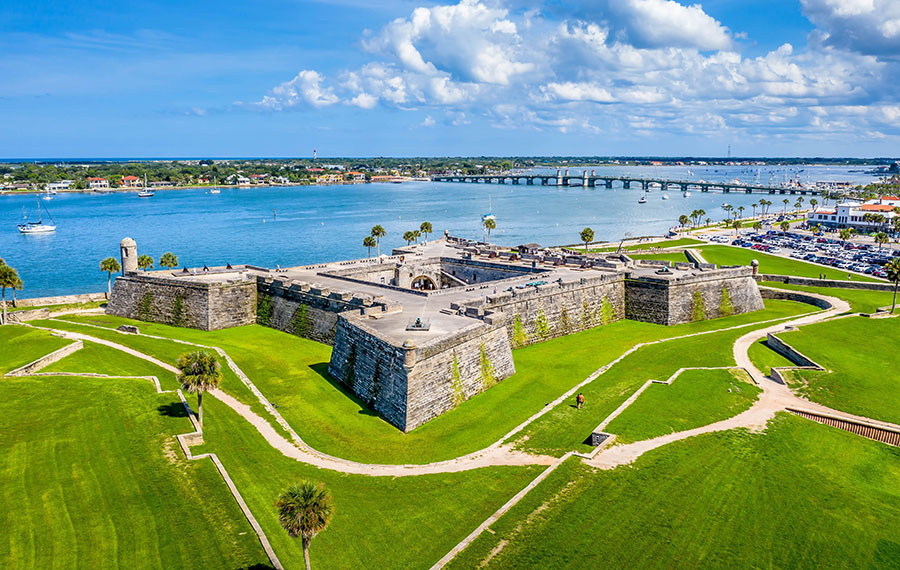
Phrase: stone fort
[418,332]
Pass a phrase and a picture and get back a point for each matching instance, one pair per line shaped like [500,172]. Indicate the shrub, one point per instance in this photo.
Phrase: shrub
[264,310]
[487,370]
[519,336]
[301,324]
[698,311]
[145,307]
[607,314]
[726,309]
[177,318]
[456,382]
[541,326]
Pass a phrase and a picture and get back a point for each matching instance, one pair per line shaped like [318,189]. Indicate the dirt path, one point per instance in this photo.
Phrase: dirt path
[774,398]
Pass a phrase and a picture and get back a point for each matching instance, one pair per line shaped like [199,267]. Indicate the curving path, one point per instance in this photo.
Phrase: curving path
[774,398]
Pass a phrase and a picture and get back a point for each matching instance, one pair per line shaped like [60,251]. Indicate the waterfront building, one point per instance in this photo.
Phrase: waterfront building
[853,215]
[95,183]
[131,182]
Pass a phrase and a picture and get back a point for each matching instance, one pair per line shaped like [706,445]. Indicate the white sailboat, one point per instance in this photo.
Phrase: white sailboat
[643,199]
[145,192]
[215,188]
[38,227]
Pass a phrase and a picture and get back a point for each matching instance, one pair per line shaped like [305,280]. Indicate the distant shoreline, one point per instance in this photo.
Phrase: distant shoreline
[168,188]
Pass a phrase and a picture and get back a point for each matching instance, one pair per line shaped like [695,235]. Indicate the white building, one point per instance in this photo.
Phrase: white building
[59,185]
[97,183]
[852,215]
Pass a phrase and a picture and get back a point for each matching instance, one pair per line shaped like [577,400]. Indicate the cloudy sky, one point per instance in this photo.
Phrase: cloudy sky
[405,78]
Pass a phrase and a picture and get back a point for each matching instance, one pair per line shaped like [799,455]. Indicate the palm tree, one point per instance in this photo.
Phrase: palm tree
[740,212]
[784,208]
[708,221]
[757,226]
[8,278]
[587,236]
[700,214]
[893,275]
[846,233]
[378,233]
[369,242]
[169,260]
[737,226]
[881,238]
[145,262]
[426,229]
[199,371]
[785,226]
[408,236]
[18,285]
[813,203]
[416,235]
[799,203]
[304,510]
[754,205]
[110,265]
[489,224]
[683,220]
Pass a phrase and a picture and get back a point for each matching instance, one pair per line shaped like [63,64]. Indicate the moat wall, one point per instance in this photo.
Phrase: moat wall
[673,300]
[183,302]
[411,384]
[556,309]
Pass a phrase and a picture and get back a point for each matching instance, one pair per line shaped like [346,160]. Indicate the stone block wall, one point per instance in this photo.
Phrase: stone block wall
[673,300]
[548,311]
[408,384]
[182,302]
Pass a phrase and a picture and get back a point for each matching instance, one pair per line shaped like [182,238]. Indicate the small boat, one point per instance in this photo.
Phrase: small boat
[145,192]
[686,194]
[38,227]
[215,188]
[665,196]
[643,200]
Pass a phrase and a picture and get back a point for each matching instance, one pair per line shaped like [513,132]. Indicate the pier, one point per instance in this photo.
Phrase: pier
[592,180]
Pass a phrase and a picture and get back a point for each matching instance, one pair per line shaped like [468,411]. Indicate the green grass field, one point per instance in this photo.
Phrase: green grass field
[62,307]
[92,477]
[20,345]
[860,358]
[673,257]
[101,359]
[291,372]
[727,255]
[696,398]
[565,428]
[679,242]
[860,301]
[799,495]
[764,358]
[379,522]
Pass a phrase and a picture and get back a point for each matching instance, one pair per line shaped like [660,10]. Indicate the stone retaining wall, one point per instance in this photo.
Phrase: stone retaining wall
[790,352]
[799,296]
[675,300]
[810,282]
[535,314]
[184,302]
[29,315]
[61,300]
[408,384]
[47,360]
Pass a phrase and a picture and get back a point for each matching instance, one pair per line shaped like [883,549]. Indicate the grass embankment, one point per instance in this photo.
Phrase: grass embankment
[799,495]
[101,359]
[680,242]
[292,372]
[773,264]
[860,301]
[379,522]
[673,257]
[63,307]
[566,428]
[764,358]
[696,398]
[20,345]
[860,360]
[91,477]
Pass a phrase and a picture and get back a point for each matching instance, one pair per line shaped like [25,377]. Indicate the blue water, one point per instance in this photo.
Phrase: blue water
[323,223]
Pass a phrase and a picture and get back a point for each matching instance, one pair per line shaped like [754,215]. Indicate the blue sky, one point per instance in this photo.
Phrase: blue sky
[405,77]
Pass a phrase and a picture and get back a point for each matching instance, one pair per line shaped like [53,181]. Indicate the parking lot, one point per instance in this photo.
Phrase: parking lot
[852,257]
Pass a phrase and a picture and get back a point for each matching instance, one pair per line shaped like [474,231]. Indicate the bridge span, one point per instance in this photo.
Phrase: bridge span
[592,180]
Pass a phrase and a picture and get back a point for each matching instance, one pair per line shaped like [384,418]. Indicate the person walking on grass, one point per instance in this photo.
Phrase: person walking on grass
[579,401]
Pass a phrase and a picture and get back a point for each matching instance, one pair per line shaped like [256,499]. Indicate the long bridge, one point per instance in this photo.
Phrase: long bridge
[592,180]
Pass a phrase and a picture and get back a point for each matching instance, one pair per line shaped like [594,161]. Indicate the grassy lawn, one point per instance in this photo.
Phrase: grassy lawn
[92,477]
[101,359]
[379,522]
[799,495]
[63,307]
[291,372]
[680,242]
[727,255]
[673,257]
[765,358]
[21,345]
[696,398]
[860,301]
[860,358]
[565,428]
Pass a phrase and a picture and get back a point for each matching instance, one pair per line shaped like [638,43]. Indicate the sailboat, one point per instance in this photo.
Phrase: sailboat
[490,214]
[215,188]
[643,199]
[145,192]
[38,227]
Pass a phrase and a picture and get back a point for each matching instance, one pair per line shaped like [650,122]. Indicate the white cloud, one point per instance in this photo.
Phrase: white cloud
[305,88]
[428,121]
[866,26]
[364,101]
[665,23]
